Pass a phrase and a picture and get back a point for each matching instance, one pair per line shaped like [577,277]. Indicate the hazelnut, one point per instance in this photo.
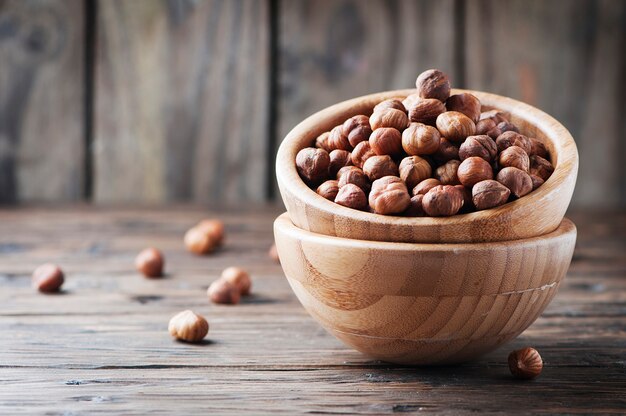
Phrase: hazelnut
[328,189]
[386,141]
[351,196]
[355,176]
[188,326]
[433,84]
[426,110]
[425,186]
[505,126]
[447,173]
[48,278]
[481,146]
[526,363]
[442,201]
[389,196]
[410,101]
[312,165]
[238,277]
[516,157]
[415,208]
[447,151]
[488,127]
[537,181]
[496,116]
[357,129]
[361,153]
[420,139]
[394,103]
[488,194]
[413,170]
[455,126]
[223,292]
[468,204]
[273,253]
[338,140]
[511,138]
[198,241]
[389,117]
[465,103]
[213,227]
[473,170]
[378,166]
[518,181]
[538,148]
[150,262]
[338,159]
[321,142]
[540,167]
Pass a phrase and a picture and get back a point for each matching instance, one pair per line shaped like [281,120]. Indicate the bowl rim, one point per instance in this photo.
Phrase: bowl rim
[562,140]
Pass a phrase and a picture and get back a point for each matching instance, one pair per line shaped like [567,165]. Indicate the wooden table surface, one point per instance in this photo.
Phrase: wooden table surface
[102,345]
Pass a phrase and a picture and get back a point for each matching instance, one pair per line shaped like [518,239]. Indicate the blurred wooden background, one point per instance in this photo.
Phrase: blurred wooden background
[150,101]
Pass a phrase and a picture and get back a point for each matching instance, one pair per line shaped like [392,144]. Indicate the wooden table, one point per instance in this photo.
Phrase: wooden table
[102,345]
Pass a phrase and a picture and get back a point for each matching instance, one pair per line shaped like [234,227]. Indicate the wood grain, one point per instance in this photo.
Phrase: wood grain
[566,58]
[41,100]
[181,96]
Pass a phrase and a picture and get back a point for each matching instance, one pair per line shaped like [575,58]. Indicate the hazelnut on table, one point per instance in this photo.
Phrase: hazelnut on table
[150,262]
[223,292]
[48,278]
[238,277]
[188,326]
[525,364]
[198,241]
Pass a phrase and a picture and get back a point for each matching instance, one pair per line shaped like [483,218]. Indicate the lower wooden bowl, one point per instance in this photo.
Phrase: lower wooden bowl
[423,304]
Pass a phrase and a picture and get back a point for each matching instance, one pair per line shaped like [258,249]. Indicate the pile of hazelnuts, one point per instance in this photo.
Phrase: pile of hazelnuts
[429,154]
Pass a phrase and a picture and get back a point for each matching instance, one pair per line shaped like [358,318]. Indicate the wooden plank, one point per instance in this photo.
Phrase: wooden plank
[181,101]
[567,59]
[41,100]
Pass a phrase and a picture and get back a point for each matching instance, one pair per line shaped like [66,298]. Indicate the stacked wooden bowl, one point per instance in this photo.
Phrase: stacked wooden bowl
[427,290]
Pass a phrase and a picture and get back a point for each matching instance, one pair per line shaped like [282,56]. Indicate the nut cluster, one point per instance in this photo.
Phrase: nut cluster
[228,289]
[205,236]
[429,154]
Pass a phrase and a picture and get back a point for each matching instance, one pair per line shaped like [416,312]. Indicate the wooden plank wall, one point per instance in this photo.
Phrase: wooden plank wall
[191,98]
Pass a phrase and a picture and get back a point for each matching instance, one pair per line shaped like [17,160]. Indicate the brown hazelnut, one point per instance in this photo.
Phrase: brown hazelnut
[198,241]
[514,156]
[188,326]
[415,208]
[468,204]
[394,103]
[538,148]
[496,116]
[386,141]
[505,126]
[447,173]
[223,292]
[213,227]
[525,364]
[489,194]
[355,176]
[273,253]
[425,186]
[540,167]
[410,100]
[455,126]
[357,129]
[351,196]
[238,277]
[361,153]
[378,166]
[338,159]
[321,142]
[488,127]
[426,110]
[442,201]
[473,170]
[389,117]
[420,139]
[511,138]
[328,189]
[481,146]
[465,103]
[338,140]
[433,84]
[48,278]
[447,151]
[518,181]
[413,170]
[149,262]
[312,165]
[389,196]
[537,181]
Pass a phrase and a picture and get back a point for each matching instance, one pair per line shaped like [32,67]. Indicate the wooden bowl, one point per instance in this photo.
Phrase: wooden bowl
[537,213]
[421,304]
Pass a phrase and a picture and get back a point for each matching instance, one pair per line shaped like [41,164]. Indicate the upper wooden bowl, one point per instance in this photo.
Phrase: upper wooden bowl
[423,303]
[537,213]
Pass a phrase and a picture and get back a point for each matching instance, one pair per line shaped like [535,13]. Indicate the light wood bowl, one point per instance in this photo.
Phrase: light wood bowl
[537,213]
[423,304]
